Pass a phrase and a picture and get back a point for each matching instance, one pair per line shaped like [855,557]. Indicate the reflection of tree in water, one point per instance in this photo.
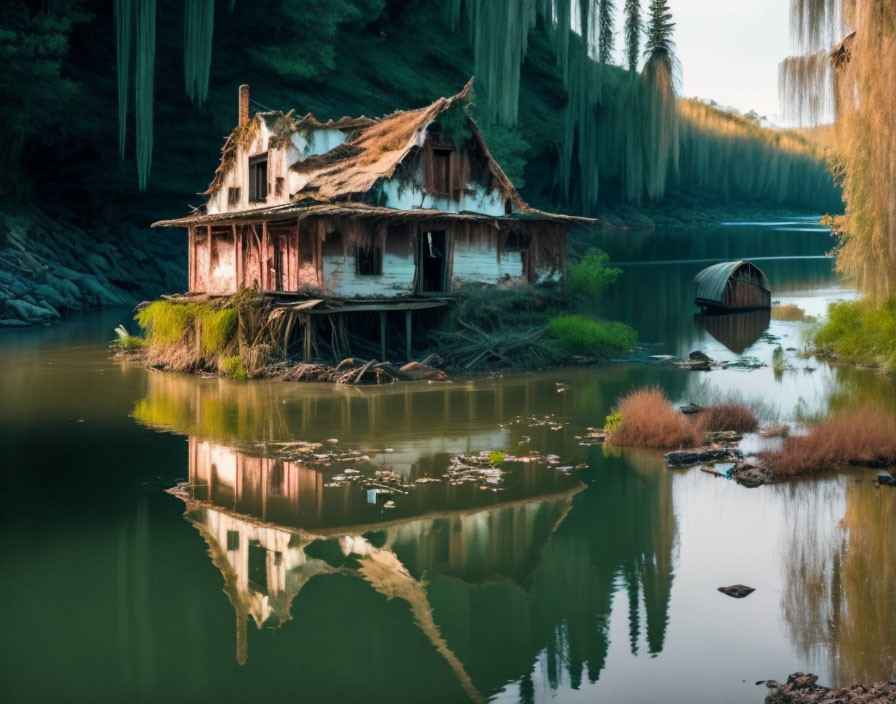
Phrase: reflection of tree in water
[840,592]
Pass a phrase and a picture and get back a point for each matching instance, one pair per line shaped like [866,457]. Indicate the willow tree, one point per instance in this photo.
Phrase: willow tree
[659,107]
[853,82]
[199,22]
[605,26]
[143,86]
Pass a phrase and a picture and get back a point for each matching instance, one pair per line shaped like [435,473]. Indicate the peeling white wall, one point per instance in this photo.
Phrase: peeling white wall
[407,195]
[397,277]
[477,262]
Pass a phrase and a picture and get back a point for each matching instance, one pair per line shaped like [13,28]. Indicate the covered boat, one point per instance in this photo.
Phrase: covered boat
[732,286]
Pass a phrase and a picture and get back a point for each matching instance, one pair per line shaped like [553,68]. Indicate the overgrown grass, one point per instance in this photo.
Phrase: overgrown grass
[165,322]
[128,342]
[862,436]
[217,329]
[578,335]
[648,419]
[859,331]
[738,417]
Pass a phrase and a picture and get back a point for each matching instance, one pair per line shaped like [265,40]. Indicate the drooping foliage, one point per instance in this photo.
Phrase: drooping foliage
[855,78]
[605,25]
[124,22]
[199,22]
[143,85]
[632,33]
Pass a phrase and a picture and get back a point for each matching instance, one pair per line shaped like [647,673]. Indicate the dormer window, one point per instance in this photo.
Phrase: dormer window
[258,178]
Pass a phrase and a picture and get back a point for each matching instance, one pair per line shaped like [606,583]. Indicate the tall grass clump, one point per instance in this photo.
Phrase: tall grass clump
[859,331]
[737,417]
[862,436]
[218,329]
[646,418]
[578,335]
[166,322]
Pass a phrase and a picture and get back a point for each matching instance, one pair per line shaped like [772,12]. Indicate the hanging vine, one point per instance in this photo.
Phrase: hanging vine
[199,22]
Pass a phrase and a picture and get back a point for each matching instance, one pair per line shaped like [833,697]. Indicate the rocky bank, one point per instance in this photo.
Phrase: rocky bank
[53,265]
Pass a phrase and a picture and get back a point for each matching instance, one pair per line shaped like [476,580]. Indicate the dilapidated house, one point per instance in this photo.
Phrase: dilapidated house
[406,205]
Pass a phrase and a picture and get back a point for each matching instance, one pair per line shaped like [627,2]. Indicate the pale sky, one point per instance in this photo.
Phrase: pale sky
[729,51]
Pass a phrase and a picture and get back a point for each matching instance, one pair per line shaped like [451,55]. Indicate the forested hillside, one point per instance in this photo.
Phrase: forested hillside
[584,133]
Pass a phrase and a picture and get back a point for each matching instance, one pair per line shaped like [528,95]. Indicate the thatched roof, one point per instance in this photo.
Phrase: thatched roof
[374,150]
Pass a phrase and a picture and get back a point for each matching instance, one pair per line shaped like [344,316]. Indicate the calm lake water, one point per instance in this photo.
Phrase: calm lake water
[277,572]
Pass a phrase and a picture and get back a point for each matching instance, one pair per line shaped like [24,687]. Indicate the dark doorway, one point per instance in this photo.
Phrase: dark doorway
[431,262]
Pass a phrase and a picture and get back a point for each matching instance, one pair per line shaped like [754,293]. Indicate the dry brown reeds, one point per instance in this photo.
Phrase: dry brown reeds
[727,416]
[646,418]
[863,436]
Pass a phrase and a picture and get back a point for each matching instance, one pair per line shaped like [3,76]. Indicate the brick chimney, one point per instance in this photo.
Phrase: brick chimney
[244,104]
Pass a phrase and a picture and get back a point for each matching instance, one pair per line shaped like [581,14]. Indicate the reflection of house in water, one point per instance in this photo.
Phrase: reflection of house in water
[737,331]
[493,588]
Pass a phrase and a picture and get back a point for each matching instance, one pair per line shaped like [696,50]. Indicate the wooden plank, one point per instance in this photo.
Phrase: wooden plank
[307,351]
[377,306]
[265,269]
[191,260]
[236,260]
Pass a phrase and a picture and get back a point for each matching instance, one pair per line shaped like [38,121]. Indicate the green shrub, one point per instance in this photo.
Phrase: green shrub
[859,331]
[234,368]
[590,276]
[613,422]
[496,457]
[578,335]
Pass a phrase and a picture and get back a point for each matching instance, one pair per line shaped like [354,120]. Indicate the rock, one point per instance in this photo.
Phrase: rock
[418,370]
[724,437]
[38,315]
[13,323]
[698,356]
[709,469]
[702,455]
[750,476]
[737,591]
[102,294]
[886,479]
[52,296]
[802,688]
[690,409]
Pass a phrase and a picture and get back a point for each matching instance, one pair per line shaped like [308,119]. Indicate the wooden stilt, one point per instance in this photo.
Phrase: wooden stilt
[265,268]
[407,332]
[236,259]
[307,352]
[191,275]
[382,336]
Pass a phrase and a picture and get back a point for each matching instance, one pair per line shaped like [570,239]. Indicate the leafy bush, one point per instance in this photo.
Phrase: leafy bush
[578,335]
[591,275]
[859,331]
[496,457]
[613,422]
[234,367]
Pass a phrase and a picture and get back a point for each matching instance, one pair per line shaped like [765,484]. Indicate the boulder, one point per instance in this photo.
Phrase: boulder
[886,479]
[802,688]
[37,315]
[13,323]
[710,454]
[750,476]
